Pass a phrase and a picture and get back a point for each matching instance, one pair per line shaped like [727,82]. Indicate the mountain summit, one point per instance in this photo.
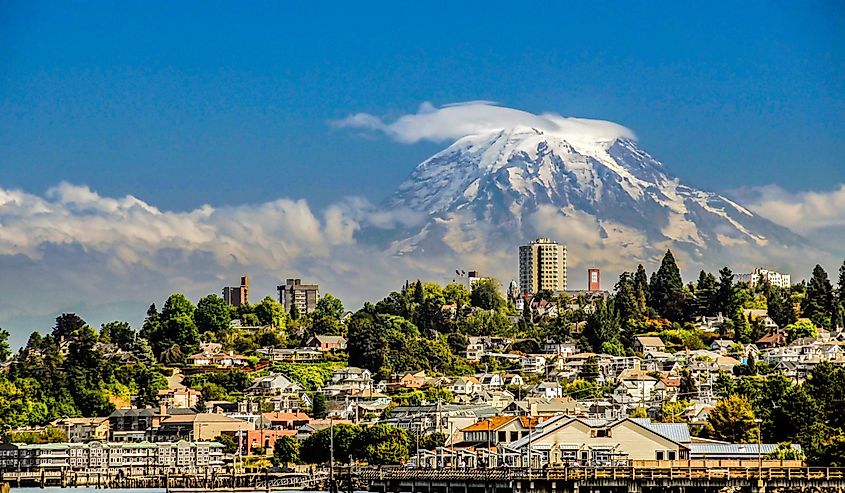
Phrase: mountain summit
[512,185]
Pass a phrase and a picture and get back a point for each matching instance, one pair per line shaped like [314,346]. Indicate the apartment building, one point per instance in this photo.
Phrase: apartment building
[237,295]
[131,458]
[542,265]
[303,296]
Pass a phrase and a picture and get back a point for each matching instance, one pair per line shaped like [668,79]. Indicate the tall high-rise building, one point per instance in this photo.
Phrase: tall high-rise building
[593,280]
[304,296]
[542,265]
[237,295]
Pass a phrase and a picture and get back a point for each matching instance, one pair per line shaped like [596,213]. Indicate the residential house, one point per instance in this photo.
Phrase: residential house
[760,317]
[552,407]
[294,355]
[182,397]
[497,430]
[513,379]
[407,380]
[327,343]
[646,344]
[490,380]
[82,430]
[273,384]
[565,439]
[774,339]
[465,386]
[721,346]
[354,377]
[224,360]
[533,363]
[132,424]
[549,390]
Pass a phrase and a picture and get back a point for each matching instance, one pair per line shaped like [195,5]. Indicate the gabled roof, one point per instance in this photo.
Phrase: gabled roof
[329,339]
[674,432]
[650,341]
[492,423]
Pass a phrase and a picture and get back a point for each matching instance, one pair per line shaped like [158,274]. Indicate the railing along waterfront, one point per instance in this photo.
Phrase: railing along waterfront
[581,473]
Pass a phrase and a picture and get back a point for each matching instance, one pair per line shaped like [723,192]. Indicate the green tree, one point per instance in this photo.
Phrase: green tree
[177,325]
[799,329]
[66,325]
[732,420]
[212,315]
[726,294]
[706,289]
[119,333]
[271,312]
[818,300]
[641,289]
[590,369]
[673,412]
[840,297]
[319,407]
[316,448]
[433,440]
[5,349]
[329,306]
[229,445]
[384,444]
[602,325]
[286,451]
[486,294]
[151,330]
[785,451]
[780,308]
[667,290]
[457,294]
[689,386]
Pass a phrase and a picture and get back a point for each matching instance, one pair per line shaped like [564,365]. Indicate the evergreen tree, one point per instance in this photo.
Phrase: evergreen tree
[780,308]
[152,326]
[602,325]
[641,289]
[705,295]
[840,296]
[818,301]
[726,293]
[667,294]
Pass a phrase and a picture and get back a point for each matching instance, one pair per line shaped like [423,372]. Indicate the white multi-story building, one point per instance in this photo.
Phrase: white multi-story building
[759,275]
[129,457]
[542,265]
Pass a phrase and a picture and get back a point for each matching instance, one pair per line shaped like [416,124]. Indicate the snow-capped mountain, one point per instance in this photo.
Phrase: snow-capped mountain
[511,185]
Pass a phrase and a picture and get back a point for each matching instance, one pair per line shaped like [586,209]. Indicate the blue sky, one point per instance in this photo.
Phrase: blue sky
[120,120]
[185,103]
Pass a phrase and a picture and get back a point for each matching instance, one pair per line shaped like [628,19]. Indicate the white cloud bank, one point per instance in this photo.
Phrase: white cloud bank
[452,122]
[803,212]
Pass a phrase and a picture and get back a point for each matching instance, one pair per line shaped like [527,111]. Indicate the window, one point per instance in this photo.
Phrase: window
[659,455]
[671,455]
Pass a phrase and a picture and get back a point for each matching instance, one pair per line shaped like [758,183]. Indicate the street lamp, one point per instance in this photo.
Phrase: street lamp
[759,450]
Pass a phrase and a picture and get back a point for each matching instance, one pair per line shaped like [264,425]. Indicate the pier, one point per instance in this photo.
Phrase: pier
[605,479]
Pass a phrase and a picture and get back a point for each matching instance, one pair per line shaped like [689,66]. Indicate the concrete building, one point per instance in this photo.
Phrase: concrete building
[201,426]
[237,295]
[759,275]
[81,430]
[542,265]
[128,458]
[304,296]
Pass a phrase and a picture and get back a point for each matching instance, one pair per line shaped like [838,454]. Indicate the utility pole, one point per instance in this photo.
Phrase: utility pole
[759,452]
[331,455]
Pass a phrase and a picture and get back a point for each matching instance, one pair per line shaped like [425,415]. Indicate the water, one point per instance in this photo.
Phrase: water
[85,489]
